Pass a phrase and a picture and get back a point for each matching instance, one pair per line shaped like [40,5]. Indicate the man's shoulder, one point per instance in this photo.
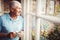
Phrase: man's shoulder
[4,15]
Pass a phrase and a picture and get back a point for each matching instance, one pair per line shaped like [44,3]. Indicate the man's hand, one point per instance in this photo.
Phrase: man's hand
[21,34]
[12,35]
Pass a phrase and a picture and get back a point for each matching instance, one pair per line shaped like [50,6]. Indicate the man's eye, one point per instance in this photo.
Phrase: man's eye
[19,8]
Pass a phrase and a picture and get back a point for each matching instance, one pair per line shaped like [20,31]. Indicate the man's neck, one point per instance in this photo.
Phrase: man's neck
[13,16]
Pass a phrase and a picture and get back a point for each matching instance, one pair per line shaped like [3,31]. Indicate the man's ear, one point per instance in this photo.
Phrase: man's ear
[11,9]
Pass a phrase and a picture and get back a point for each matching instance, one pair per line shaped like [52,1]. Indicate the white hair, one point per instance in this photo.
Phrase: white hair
[13,4]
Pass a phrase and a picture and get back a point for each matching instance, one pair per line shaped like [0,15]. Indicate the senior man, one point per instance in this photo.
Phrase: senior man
[11,24]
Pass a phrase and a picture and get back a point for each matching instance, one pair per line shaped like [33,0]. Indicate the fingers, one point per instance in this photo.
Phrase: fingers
[12,35]
[21,34]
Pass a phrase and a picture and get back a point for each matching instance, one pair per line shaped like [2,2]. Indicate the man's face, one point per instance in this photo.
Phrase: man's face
[16,11]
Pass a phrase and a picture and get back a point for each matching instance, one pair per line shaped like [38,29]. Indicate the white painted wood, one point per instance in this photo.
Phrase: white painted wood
[37,28]
[53,19]
[27,20]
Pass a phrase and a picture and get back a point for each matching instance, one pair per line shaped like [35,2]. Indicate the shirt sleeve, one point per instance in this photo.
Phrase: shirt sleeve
[0,23]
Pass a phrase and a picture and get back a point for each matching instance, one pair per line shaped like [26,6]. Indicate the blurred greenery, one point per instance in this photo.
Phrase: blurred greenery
[58,8]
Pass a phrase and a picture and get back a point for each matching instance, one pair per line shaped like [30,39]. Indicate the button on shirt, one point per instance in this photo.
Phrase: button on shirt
[7,25]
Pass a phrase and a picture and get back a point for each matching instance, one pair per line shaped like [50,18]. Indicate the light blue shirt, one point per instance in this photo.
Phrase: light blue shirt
[7,25]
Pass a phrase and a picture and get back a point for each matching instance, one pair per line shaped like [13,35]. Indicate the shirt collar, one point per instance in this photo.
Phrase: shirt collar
[12,19]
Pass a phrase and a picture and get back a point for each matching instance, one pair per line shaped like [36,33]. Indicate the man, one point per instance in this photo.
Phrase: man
[11,24]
